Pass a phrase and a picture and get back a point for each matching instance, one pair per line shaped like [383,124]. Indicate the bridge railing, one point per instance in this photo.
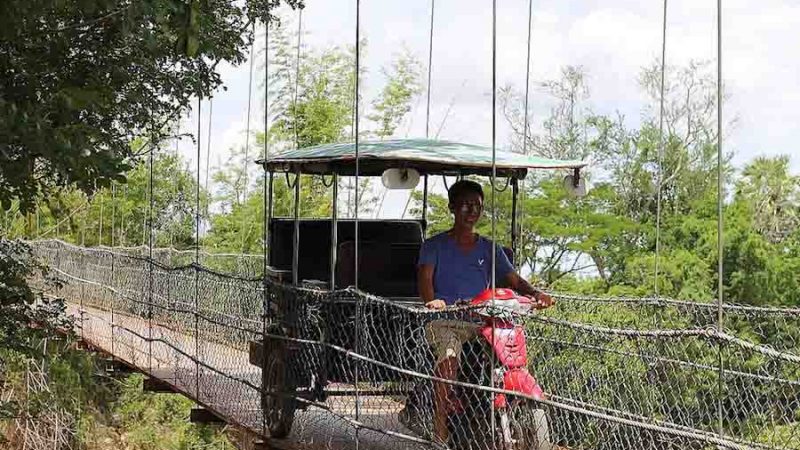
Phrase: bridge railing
[617,373]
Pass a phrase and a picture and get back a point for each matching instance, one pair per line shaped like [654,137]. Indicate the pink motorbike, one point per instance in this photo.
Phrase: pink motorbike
[498,357]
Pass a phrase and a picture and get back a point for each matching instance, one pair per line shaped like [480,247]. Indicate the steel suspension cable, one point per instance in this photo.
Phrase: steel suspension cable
[196,268]
[113,218]
[124,231]
[430,69]
[113,210]
[720,241]
[355,223]
[99,239]
[527,79]
[150,260]
[208,141]
[297,177]
[516,231]
[265,306]
[494,177]
[661,143]
[197,192]
[245,230]
[427,116]
[297,77]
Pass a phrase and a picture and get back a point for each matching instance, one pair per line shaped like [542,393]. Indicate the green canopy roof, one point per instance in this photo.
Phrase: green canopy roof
[426,155]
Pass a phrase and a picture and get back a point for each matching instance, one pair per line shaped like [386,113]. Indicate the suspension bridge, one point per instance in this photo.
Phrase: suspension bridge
[619,372]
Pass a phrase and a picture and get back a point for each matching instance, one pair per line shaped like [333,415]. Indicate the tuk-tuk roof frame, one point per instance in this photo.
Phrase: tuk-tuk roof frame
[427,156]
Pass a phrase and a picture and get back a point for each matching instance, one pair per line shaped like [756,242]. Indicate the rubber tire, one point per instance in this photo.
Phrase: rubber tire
[278,410]
[530,428]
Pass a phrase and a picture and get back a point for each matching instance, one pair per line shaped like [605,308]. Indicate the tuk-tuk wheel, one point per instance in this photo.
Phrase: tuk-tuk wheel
[277,399]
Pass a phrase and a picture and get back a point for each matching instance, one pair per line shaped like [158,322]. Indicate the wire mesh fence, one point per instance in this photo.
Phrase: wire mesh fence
[346,366]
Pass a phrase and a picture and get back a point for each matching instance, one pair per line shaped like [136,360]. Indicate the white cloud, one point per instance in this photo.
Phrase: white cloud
[612,39]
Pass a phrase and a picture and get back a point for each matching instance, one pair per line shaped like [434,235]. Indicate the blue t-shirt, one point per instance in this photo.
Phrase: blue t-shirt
[460,275]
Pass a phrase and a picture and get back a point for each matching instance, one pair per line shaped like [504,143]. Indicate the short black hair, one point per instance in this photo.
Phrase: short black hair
[461,187]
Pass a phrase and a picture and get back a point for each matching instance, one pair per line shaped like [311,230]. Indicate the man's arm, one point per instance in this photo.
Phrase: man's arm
[522,286]
[425,287]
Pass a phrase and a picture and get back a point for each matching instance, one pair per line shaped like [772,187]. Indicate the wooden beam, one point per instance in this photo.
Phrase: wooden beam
[156,385]
[202,415]
[113,366]
[276,444]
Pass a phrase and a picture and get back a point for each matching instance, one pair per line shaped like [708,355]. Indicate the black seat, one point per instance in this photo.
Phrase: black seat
[315,241]
[384,269]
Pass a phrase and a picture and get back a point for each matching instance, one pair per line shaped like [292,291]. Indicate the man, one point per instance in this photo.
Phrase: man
[456,265]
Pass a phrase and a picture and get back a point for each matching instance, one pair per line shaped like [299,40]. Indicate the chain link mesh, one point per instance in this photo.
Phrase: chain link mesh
[617,373]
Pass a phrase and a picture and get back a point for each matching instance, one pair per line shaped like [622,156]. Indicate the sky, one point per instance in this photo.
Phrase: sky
[611,39]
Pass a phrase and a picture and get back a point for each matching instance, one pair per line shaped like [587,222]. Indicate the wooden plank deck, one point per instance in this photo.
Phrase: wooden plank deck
[228,384]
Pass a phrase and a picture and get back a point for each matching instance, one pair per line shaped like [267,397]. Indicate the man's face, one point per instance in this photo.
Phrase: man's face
[467,209]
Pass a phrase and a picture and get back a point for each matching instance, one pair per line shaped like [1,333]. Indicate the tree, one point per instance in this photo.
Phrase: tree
[401,88]
[567,127]
[313,98]
[560,235]
[321,113]
[774,196]
[73,216]
[688,163]
[82,79]
[239,228]
[230,179]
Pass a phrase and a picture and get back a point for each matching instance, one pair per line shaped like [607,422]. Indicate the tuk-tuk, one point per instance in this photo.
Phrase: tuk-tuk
[313,265]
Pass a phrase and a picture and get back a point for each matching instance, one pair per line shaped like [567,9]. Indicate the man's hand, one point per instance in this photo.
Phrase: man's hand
[543,300]
[436,304]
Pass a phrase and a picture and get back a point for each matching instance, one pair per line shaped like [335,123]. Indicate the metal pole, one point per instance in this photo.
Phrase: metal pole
[425,206]
[296,237]
[270,186]
[514,223]
[334,231]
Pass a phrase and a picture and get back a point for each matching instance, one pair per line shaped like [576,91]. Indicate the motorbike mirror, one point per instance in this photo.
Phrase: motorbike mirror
[396,178]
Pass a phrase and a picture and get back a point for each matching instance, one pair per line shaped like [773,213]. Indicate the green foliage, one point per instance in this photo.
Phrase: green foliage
[605,243]
[22,306]
[147,421]
[102,413]
[394,102]
[83,78]
[35,345]
[320,113]
[313,103]
[121,209]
